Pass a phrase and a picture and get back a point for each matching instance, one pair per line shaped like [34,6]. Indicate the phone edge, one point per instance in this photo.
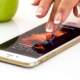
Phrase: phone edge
[59,50]
[41,59]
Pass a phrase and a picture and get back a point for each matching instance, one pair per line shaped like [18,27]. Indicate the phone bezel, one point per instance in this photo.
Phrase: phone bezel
[29,60]
[26,61]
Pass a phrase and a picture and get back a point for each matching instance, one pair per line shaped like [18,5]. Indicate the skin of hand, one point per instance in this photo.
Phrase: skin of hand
[60,13]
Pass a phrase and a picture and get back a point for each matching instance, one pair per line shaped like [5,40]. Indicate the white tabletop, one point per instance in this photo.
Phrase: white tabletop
[64,66]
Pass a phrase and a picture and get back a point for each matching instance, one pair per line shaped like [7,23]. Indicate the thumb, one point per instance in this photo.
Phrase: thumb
[64,10]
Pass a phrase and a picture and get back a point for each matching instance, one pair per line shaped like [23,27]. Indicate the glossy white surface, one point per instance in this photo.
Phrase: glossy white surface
[64,66]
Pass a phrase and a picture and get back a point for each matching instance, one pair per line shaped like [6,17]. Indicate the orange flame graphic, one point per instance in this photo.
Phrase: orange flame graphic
[35,38]
[39,38]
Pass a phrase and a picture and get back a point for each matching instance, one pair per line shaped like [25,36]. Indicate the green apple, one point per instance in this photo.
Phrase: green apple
[8,9]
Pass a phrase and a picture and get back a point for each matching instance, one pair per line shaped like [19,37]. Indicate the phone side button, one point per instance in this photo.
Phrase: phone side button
[47,57]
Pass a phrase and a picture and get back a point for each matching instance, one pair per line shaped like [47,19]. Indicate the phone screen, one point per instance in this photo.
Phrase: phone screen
[38,42]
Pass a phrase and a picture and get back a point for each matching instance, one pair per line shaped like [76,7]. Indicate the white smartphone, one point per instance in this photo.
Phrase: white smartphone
[36,46]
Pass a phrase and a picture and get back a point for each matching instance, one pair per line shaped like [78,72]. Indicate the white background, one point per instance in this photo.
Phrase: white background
[64,66]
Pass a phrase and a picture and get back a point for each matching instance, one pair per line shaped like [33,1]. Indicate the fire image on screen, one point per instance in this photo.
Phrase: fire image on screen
[43,41]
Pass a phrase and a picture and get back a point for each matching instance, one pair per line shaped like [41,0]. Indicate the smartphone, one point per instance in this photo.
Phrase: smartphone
[36,46]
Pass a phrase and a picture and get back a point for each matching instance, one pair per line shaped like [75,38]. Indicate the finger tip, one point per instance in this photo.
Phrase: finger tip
[39,15]
[33,4]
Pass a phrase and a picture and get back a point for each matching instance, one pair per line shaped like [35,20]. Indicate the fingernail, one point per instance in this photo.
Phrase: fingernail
[78,9]
[58,18]
[50,27]
[33,1]
[39,11]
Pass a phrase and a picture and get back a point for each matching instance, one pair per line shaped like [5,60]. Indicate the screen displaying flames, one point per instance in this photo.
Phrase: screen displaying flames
[39,42]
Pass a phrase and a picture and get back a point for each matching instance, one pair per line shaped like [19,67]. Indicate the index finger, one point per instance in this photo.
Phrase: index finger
[53,12]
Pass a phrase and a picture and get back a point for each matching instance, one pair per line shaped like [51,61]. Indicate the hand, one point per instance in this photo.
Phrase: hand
[61,13]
